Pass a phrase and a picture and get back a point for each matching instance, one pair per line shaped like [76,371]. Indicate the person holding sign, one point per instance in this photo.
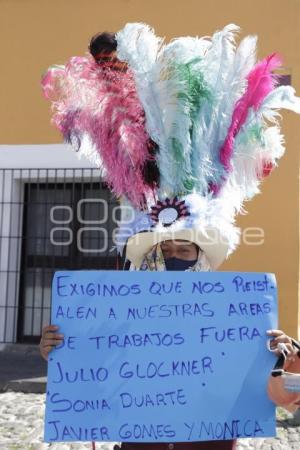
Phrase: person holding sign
[204,102]
[176,255]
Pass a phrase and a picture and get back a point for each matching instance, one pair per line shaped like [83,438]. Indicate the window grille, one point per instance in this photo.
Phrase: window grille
[50,219]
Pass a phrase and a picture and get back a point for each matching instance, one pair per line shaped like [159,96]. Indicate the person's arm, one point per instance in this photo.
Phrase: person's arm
[276,391]
[49,340]
[279,395]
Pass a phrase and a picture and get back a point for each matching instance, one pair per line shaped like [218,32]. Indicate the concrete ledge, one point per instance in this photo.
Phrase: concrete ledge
[32,349]
[22,369]
[27,386]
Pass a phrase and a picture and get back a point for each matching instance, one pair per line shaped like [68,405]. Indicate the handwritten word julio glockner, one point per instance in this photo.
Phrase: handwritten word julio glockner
[166,368]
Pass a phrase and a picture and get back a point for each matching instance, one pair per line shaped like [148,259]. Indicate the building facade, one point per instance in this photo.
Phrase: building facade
[55,214]
[52,205]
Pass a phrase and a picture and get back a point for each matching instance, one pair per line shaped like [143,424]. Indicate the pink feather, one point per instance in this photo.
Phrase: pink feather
[49,81]
[102,103]
[261,82]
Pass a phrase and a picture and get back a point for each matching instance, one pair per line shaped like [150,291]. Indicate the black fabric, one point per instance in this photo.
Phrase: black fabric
[204,445]
[179,264]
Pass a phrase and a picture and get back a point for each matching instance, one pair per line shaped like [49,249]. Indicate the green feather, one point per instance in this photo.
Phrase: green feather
[194,92]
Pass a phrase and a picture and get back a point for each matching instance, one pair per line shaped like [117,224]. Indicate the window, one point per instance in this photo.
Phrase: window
[67,226]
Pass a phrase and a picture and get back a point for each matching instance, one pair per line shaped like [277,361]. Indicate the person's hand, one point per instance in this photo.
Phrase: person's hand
[282,343]
[49,340]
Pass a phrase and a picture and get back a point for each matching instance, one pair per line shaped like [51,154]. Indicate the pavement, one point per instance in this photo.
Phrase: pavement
[22,403]
[22,369]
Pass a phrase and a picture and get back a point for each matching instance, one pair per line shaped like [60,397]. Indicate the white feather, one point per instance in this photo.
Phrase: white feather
[138,45]
[176,115]
[281,97]
[225,70]
[214,119]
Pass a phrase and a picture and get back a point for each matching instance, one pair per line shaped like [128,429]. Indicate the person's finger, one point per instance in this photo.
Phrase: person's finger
[46,350]
[274,332]
[290,349]
[282,338]
[287,349]
[284,348]
[49,329]
[274,343]
[52,339]
[52,342]
[53,336]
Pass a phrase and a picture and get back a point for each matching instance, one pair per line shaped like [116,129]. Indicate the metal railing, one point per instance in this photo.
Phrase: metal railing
[50,219]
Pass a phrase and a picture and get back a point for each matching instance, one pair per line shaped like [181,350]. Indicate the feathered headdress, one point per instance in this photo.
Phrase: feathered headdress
[211,109]
[98,112]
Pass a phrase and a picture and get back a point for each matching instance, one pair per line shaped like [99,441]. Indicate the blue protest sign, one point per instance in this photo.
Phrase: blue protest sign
[160,356]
